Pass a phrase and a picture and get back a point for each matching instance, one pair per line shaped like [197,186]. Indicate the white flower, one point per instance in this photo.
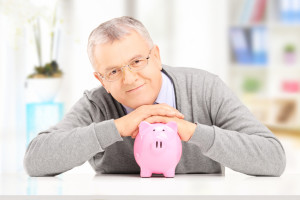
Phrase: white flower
[22,14]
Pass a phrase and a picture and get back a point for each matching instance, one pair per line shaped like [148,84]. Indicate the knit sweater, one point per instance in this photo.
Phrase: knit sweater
[227,134]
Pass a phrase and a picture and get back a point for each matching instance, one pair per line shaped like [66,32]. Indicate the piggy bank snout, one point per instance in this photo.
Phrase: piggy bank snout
[158,145]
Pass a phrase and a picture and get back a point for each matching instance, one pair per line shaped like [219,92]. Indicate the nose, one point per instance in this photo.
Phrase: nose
[158,146]
[128,76]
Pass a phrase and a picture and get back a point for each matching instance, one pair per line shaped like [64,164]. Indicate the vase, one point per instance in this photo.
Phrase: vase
[45,89]
[289,58]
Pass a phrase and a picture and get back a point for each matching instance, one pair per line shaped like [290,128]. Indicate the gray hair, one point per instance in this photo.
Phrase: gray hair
[115,29]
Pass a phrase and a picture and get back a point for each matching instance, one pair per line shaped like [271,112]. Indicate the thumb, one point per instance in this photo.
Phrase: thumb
[134,133]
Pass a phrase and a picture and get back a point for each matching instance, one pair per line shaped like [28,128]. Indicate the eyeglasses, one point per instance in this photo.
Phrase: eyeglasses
[116,73]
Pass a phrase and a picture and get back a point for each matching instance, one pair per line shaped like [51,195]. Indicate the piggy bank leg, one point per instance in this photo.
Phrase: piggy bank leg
[170,173]
[145,173]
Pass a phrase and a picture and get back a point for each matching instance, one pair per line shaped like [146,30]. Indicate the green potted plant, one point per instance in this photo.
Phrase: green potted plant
[289,54]
[46,79]
[251,85]
[49,70]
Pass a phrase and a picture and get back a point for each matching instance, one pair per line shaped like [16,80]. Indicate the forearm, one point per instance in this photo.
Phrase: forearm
[57,151]
[251,154]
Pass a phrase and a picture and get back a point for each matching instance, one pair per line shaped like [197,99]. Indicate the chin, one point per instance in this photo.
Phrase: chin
[141,103]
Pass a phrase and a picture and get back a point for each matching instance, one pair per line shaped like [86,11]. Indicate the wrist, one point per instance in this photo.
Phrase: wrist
[192,128]
[119,126]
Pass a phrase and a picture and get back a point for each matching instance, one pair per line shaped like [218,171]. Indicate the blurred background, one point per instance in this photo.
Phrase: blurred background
[252,45]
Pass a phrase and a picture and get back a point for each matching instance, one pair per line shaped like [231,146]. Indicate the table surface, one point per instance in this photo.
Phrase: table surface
[114,185]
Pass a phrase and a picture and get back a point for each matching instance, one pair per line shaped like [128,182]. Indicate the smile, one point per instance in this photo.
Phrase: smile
[135,89]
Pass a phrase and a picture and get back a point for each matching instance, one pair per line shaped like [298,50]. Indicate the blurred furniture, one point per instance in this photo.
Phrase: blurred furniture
[262,34]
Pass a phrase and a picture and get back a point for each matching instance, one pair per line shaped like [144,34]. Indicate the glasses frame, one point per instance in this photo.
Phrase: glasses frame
[104,77]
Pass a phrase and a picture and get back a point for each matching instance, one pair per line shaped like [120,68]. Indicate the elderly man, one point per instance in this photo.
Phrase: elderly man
[216,129]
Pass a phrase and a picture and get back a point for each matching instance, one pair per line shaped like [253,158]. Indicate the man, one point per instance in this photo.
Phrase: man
[215,128]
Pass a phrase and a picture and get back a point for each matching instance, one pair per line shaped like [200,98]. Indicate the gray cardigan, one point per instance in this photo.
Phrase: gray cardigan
[227,134]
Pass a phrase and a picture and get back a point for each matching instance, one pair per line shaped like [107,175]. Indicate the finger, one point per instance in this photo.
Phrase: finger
[134,134]
[174,111]
[156,119]
[146,111]
[166,110]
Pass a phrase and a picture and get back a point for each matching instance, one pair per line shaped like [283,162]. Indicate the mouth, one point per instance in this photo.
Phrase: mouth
[135,89]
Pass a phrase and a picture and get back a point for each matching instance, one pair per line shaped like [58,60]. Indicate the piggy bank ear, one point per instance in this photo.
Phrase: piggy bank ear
[172,125]
[143,126]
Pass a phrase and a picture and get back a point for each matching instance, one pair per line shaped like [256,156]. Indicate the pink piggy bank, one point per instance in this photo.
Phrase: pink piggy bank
[157,148]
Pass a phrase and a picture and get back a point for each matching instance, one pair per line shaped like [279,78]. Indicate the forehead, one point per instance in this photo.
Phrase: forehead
[119,52]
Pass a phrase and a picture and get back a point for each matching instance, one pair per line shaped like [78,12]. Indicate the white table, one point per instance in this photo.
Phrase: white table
[131,186]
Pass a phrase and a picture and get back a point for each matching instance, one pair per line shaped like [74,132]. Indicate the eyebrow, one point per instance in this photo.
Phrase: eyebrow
[131,59]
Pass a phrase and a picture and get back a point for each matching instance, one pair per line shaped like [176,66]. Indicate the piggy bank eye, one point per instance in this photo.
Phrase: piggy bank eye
[153,129]
[163,129]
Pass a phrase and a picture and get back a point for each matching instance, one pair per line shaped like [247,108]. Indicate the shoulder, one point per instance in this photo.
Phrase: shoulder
[187,74]
[98,95]
[97,92]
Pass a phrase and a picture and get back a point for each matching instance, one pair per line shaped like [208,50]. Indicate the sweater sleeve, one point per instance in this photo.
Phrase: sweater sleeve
[71,142]
[237,139]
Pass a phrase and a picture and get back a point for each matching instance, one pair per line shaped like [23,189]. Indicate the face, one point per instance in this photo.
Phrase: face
[133,89]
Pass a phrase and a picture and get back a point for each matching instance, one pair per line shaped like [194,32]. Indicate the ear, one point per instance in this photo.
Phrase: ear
[100,79]
[172,125]
[156,54]
[144,125]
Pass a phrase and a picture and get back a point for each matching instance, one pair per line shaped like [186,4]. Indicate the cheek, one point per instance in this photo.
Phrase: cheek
[156,77]
[116,90]
[153,73]
[112,88]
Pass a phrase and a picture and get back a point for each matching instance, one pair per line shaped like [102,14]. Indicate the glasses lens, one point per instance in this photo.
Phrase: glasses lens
[113,74]
[138,64]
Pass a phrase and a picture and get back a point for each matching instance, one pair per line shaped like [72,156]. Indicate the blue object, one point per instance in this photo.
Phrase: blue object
[286,13]
[240,45]
[259,45]
[289,11]
[41,116]
[296,11]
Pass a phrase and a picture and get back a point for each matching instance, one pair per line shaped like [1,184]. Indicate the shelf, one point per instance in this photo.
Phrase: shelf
[268,25]
[283,26]
[246,25]
[294,127]
[293,69]
[237,66]
[270,102]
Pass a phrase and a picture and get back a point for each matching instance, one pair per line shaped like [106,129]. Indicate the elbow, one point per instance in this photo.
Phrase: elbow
[36,166]
[30,166]
[279,161]
[274,159]
[276,165]
[33,170]
[273,168]
[30,162]
[272,163]
[280,166]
